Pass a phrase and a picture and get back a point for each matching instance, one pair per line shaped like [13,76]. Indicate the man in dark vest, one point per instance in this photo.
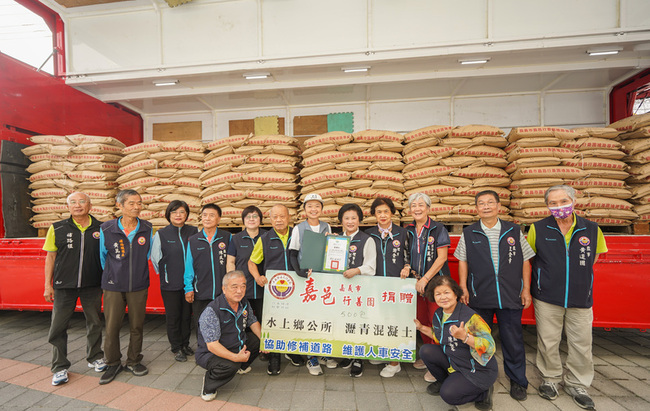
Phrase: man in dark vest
[494,273]
[567,248]
[272,248]
[124,249]
[228,336]
[73,272]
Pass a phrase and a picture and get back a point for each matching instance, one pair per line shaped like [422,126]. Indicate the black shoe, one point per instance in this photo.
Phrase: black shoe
[296,360]
[434,388]
[346,363]
[548,390]
[580,397]
[485,404]
[180,356]
[110,374]
[138,370]
[518,392]
[357,368]
[263,357]
[187,350]
[274,364]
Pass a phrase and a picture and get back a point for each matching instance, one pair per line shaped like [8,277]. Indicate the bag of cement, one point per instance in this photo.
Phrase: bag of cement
[518,133]
[565,172]
[632,122]
[480,172]
[632,147]
[435,171]
[491,182]
[492,141]
[333,137]
[594,163]
[456,142]
[327,157]
[430,132]
[82,139]
[386,165]
[475,130]
[232,141]
[371,136]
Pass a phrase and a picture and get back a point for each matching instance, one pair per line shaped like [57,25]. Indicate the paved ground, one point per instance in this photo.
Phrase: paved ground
[622,382]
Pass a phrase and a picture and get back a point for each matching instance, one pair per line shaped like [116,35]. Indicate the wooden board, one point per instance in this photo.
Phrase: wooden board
[247,126]
[309,125]
[186,130]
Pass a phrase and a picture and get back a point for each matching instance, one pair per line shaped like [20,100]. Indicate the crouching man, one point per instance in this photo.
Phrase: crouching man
[225,348]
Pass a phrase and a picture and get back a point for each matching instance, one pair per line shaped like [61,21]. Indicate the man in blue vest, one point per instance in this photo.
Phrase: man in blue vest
[228,336]
[124,249]
[567,248]
[73,272]
[494,273]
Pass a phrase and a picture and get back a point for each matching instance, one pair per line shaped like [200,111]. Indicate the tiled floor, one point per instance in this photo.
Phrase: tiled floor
[622,360]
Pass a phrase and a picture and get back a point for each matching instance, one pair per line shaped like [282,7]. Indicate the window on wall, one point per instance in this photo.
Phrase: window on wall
[642,102]
[25,36]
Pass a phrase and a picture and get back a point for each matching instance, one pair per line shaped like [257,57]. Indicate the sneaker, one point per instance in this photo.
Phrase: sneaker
[580,397]
[263,357]
[187,350]
[243,371]
[357,368]
[346,363]
[518,392]
[328,362]
[390,370]
[295,360]
[180,356]
[138,370]
[207,396]
[274,364]
[313,366]
[419,364]
[98,365]
[376,362]
[434,388]
[428,377]
[110,374]
[60,377]
[548,390]
[486,404]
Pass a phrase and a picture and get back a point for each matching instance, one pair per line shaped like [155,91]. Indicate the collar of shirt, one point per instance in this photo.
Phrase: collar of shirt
[386,232]
[353,234]
[497,226]
[283,237]
[80,227]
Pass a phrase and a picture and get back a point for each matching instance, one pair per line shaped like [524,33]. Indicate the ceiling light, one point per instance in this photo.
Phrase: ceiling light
[604,52]
[474,61]
[165,82]
[360,69]
[256,76]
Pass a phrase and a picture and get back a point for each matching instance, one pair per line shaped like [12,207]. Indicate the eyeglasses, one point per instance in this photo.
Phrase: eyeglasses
[80,202]
[253,216]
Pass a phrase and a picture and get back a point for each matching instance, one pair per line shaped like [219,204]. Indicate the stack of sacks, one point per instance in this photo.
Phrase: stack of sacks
[535,163]
[243,170]
[635,140]
[604,192]
[64,164]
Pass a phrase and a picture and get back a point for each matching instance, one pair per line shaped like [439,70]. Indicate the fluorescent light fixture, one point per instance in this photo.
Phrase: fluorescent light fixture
[474,61]
[256,76]
[360,69]
[160,83]
[604,51]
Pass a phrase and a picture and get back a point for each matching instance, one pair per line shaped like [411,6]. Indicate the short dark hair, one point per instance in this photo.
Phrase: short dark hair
[382,201]
[487,192]
[212,206]
[175,205]
[439,280]
[348,207]
[249,210]
[122,195]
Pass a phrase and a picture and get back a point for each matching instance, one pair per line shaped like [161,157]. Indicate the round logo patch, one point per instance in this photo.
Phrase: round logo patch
[353,248]
[511,240]
[396,243]
[430,240]
[584,240]
[96,235]
[281,286]
[142,241]
[222,245]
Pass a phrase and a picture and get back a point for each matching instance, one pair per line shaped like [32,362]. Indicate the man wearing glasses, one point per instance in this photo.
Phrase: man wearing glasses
[494,273]
[73,272]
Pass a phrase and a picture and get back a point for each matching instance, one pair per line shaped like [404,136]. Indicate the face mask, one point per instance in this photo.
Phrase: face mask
[562,211]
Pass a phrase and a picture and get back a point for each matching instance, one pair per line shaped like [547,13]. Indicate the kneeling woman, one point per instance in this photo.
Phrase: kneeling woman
[463,363]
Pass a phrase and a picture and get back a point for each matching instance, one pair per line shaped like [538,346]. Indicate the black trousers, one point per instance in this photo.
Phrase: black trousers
[197,309]
[455,389]
[178,315]
[220,370]
[512,341]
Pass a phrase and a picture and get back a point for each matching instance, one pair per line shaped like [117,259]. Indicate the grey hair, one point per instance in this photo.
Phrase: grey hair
[275,207]
[123,194]
[67,200]
[419,196]
[570,191]
[232,274]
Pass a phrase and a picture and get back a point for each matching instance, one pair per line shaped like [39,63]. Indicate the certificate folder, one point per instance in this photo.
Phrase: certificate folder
[315,255]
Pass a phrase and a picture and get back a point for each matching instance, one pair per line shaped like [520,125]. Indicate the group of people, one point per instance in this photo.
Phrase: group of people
[219,279]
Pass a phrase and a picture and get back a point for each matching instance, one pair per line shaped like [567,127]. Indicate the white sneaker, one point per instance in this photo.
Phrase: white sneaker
[98,365]
[313,366]
[243,371]
[60,377]
[207,396]
[390,370]
[328,362]
[419,364]
[376,362]
[428,377]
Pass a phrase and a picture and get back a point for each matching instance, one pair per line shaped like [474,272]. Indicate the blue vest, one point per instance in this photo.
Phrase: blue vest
[276,255]
[77,263]
[355,253]
[564,276]
[244,245]
[423,262]
[459,353]
[392,254]
[209,263]
[487,288]
[173,246]
[126,268]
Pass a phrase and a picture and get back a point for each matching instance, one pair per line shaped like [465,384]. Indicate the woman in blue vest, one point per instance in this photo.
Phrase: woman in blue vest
[462,358]
[168,258]
[392,254]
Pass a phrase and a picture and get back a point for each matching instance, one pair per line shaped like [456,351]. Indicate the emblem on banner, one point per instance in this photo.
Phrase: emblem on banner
[281,286]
